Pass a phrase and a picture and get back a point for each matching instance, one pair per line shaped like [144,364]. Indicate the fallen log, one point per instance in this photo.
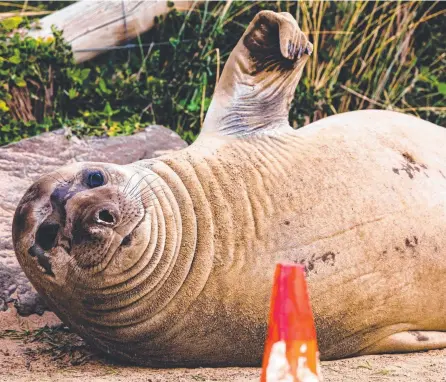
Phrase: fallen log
[92,27]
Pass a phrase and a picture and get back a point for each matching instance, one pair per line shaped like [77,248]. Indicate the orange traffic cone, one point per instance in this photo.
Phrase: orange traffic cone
[291,352]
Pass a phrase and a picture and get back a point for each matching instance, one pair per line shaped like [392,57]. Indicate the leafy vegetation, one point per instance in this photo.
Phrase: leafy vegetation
[367,55]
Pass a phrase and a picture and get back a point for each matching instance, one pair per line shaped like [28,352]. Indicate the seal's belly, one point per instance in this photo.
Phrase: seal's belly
[357,211]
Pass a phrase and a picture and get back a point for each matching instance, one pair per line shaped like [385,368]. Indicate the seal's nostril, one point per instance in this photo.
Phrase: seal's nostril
[106,216]
[46,235]
[126,240]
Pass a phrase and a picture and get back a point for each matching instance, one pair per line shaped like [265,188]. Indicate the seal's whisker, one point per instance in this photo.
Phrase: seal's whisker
[132,194]
[128,183]
[148,183]
[135,187]
[61,176]
[148,188]
[146,195]
[149,198]
[57,180]
[149,201]
[151,192]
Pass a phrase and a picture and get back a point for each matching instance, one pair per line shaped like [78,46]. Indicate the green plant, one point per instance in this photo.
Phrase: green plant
[30,93]
[367,54]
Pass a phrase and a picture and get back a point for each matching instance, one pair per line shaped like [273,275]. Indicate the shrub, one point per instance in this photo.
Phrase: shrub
[367,54]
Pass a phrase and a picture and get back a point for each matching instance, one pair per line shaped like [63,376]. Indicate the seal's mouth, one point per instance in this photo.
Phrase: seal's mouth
[46,237]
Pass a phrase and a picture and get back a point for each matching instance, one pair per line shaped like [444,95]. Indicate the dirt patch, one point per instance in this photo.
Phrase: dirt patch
[56,354]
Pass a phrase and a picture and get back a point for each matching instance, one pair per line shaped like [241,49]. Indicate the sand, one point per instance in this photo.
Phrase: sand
[29,351]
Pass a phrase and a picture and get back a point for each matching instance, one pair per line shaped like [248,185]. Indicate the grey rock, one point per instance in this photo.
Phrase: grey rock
[23,162]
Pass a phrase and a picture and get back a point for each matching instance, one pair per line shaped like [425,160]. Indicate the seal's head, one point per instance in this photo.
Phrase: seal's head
[78,227]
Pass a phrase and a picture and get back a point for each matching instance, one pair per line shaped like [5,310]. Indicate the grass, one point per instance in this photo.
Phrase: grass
[378,60]
[387,55]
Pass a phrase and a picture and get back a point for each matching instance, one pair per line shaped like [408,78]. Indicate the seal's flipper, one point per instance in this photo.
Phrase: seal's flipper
[260,77]
[406,342]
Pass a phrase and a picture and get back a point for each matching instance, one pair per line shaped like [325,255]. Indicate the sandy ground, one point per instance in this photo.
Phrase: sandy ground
[30,352]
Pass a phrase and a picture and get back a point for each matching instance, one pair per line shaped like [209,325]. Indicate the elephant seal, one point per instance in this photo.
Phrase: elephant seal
[169,261]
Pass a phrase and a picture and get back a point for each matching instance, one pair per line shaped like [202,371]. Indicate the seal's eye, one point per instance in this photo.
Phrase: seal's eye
[95,179]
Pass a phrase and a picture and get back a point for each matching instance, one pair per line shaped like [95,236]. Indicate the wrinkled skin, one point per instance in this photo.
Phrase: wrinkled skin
[169,261]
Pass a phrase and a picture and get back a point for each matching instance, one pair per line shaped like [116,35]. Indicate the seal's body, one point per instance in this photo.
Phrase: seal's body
[169,261]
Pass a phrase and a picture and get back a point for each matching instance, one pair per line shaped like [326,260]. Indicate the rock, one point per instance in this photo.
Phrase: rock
[23,162]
